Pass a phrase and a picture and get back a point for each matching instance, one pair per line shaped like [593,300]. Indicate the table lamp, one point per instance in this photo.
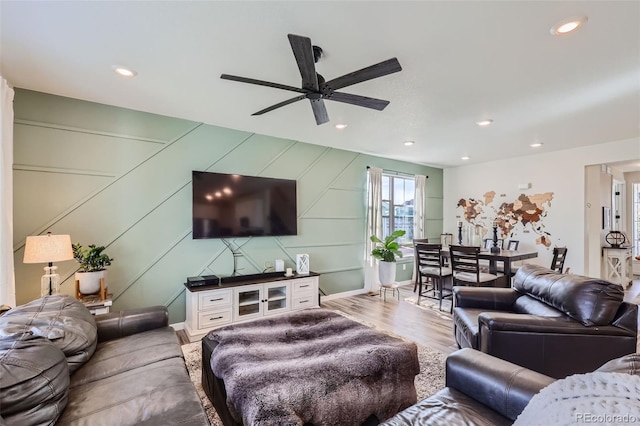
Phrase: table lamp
[48,249]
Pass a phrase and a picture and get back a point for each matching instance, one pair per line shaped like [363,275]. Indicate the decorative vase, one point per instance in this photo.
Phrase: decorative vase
[386,272]
[89,282]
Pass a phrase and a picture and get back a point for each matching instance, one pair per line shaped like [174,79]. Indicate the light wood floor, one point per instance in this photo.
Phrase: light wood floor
[428,327]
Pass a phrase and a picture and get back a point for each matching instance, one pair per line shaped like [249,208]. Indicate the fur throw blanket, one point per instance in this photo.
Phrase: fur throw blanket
[313,366]
[596,398]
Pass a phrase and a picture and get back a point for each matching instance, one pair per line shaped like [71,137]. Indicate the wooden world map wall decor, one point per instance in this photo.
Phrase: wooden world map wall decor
[526,213]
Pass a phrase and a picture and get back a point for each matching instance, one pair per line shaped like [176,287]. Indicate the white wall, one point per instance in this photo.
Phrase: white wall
[560,172]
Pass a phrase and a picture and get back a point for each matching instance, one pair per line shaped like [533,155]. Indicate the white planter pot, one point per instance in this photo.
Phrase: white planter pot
[386,272]
[90,281]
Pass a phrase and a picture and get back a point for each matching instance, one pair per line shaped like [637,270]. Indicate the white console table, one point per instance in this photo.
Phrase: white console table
[210,307]
[617,265]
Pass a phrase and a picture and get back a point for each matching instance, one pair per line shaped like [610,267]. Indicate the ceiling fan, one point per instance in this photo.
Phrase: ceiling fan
[316,89]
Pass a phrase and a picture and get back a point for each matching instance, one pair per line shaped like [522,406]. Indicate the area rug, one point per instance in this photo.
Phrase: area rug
[432,305]
[429,381]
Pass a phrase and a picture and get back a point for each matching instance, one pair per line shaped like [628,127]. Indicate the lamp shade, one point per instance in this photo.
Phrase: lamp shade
[47,248]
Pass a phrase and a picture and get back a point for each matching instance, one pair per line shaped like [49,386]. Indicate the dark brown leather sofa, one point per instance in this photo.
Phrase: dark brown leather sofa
[552,323]
[482,390]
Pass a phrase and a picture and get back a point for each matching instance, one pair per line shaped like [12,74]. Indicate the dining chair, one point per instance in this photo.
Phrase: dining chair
[430,266]
[559,254]
[417,240]
[466,267]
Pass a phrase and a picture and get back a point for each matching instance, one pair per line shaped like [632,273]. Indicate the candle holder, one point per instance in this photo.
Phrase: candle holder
[495,248]
[460,233]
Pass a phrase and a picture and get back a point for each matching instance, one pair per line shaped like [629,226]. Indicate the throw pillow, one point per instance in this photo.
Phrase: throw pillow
[61,319]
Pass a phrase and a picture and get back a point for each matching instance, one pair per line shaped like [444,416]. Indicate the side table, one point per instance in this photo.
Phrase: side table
[97,306]
[617,265]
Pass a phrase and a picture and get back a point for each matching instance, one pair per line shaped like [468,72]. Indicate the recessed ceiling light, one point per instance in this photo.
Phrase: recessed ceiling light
[464,158]
[568,25]
[124,71]
[484,123]
[409,143]
[341,126]
[536,145]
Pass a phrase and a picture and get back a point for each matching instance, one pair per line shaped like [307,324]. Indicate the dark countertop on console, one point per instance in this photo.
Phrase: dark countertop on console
[241,280]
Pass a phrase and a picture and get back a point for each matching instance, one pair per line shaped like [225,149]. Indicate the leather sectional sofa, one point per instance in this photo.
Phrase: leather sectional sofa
[483,390]
[61,365]
[552,323]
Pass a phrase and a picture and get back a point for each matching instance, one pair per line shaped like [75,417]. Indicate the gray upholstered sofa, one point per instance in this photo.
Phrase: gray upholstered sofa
[61,365]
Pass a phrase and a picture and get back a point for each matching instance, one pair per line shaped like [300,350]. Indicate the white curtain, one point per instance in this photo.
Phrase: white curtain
[374,226]
[418,211]
[418,206]
[7,278]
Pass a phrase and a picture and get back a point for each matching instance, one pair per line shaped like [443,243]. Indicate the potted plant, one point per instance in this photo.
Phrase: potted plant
[92,262]
[387,252]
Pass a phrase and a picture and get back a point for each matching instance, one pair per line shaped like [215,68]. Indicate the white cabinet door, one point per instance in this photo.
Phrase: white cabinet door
[248,302]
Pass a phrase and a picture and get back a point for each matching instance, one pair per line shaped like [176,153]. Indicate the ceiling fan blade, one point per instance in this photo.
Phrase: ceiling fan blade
[363,101]
[319,111]
[303,52]
[278,105]
[262,83]
[374,71]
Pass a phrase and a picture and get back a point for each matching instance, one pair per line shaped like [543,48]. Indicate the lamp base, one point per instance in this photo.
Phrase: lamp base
[495,249]
[49,283]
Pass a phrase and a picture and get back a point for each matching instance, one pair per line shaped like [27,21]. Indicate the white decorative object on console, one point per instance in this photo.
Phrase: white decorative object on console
[279,265]
[302,264]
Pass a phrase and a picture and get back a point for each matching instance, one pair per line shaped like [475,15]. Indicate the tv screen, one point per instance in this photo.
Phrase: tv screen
[226,205]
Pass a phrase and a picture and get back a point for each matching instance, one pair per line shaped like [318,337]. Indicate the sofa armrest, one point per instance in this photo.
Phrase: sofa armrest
[502,386]
[525,323]
[490,298]
[124,323]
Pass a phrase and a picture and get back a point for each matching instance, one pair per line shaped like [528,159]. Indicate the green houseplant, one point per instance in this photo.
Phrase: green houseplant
[93,262]
[387,252]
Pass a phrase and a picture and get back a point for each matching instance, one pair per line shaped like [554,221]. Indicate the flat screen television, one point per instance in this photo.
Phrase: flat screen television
[227,205]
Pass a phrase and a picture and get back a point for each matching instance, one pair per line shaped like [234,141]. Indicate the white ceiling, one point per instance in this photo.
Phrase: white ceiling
[462,61]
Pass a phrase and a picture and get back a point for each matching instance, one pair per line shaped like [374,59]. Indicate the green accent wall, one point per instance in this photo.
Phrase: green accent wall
[122,178]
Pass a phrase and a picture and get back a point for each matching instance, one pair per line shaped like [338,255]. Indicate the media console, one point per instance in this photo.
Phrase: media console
[245,297]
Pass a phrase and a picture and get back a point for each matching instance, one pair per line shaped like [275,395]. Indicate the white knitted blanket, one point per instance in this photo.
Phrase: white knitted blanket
[596,398]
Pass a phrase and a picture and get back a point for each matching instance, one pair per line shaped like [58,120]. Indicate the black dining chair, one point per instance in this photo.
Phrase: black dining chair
[559,254]
[429,263]
[466,267]
[415,283]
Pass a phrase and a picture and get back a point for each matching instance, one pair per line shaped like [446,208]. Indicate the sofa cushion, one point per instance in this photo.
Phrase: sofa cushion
[448,407]
[61,319]
[34,381]
[467,326]
[526,304]
[629,364]
[160,393]
[127,353]
[591,301]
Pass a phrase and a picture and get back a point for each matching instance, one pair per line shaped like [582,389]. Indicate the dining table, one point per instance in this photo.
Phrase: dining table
[506,257]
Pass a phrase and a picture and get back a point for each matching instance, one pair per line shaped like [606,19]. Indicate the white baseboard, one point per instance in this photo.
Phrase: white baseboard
[343,294]
[356,292]
[177,326]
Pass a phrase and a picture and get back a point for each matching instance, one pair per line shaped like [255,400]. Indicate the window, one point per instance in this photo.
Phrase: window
[635,222]
[397,205]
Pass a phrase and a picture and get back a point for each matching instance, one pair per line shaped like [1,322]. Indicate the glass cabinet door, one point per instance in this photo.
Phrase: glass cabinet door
[277,298]
[248,302]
